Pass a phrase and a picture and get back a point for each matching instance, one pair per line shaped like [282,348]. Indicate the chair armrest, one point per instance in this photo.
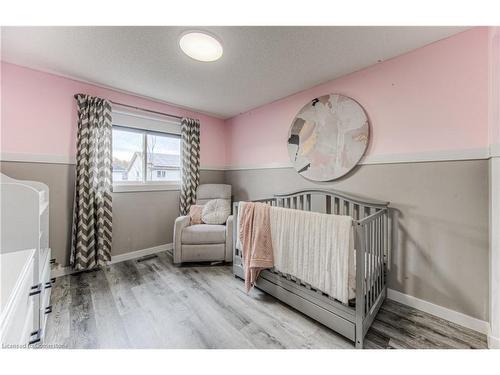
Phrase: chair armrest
[180,223]
[229,239]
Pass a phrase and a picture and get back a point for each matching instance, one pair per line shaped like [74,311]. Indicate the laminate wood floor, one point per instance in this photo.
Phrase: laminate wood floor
[153,304]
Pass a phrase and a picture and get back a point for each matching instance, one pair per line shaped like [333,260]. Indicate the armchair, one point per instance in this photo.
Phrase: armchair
[204,242]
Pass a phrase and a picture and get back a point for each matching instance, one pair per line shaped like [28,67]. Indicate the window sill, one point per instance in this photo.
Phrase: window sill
[126,188]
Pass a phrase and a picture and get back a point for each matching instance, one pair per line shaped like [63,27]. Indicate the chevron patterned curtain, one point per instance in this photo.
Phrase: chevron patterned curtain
[190,163]
[92,213]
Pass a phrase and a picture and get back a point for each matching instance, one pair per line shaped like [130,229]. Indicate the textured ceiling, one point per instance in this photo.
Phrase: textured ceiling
[259,65]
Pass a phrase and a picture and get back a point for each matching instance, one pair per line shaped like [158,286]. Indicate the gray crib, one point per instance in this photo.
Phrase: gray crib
[372,243]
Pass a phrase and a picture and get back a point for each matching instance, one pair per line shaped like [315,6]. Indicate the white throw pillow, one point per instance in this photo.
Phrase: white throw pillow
[216,211]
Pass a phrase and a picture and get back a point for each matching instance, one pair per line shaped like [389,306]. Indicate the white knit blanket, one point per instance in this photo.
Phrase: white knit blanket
[316,248]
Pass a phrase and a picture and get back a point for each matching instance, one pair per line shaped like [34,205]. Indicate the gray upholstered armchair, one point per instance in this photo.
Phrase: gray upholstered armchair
[204,242]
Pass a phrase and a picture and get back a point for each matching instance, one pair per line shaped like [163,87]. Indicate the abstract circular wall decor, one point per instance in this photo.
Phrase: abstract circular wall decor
[328,137]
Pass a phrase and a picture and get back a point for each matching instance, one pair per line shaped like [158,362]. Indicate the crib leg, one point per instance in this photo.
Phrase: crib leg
[359,336]
[359,343]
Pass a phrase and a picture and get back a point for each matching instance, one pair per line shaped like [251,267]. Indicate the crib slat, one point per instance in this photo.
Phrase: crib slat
[367,261]
[372,265]
[367,272]
[384,244]
[375,261]
[361,212]
[370,273]
[369,250]
[379,253]
[378,256]
[386,233]
[382,236]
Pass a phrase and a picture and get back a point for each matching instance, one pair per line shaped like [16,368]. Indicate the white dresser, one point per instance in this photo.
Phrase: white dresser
[25,259]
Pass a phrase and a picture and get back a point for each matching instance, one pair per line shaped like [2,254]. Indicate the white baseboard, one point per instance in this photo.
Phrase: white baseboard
[62,271]
[141,253]
[493,342]
[440,311]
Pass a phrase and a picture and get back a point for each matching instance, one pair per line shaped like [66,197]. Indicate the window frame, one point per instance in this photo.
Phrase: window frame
[145,185]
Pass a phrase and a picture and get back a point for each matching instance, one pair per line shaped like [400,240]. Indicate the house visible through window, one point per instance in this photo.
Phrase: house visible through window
[144,156]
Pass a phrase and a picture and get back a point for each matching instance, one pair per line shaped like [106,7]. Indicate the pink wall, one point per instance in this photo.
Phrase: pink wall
[431,99]
[39,115]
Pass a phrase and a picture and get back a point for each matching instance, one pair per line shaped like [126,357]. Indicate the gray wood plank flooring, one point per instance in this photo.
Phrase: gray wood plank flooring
[153,304]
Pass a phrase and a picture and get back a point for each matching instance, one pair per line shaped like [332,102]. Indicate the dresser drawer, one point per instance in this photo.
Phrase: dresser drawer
[20,318]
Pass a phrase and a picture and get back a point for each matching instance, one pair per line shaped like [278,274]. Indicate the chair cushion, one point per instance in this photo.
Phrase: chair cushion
[213,191]
[216,211]
[207,192]
[203,234]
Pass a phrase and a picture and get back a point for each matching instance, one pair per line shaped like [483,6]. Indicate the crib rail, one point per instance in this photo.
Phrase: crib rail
[372,249]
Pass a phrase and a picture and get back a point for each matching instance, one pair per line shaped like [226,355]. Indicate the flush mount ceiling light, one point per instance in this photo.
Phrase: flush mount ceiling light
[200,46]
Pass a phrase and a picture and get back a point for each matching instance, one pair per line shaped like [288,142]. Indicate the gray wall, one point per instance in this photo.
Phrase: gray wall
[440,209]
[441,217]
[140,219]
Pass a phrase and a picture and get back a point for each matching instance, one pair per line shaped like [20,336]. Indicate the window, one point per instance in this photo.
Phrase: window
[144,159]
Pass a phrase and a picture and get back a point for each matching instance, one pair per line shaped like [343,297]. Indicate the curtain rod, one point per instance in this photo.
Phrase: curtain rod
[140,109]
[147,110]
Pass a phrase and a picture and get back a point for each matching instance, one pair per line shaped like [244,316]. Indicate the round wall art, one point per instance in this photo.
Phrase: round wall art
[328,137]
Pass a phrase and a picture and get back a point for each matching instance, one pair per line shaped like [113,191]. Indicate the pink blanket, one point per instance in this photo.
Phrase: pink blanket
[255,237]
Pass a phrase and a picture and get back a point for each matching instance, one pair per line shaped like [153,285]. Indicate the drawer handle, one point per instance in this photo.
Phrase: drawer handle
[37,338]
[36,289]
[48,309]
[48,284]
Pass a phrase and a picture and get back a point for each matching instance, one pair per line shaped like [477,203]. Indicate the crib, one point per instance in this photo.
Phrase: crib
[371,225]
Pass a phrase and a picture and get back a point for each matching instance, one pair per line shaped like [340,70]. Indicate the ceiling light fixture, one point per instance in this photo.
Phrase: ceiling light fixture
[200,46]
